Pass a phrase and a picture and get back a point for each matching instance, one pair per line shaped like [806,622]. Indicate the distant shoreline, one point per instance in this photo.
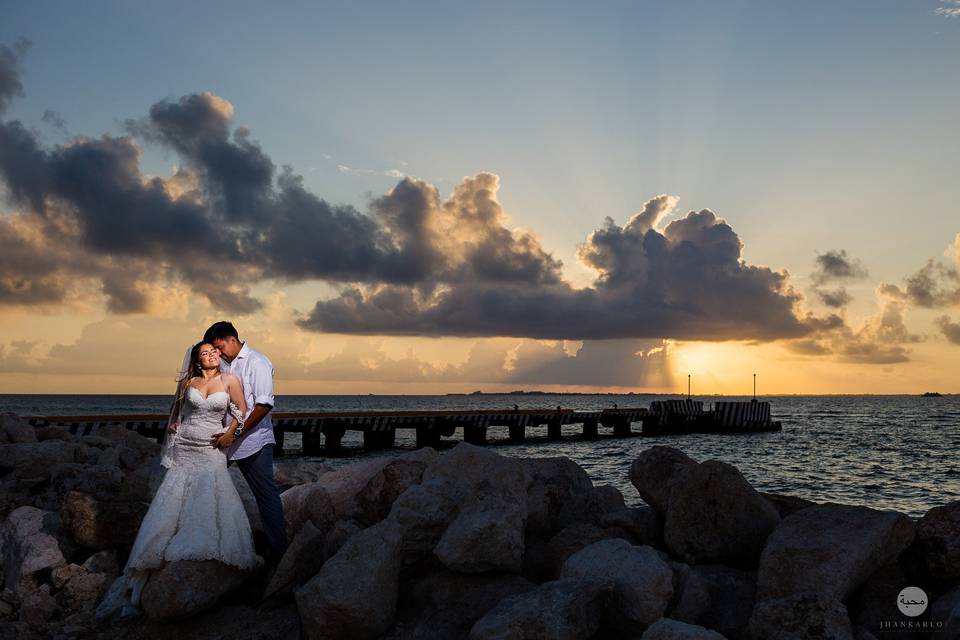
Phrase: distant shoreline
[511,393]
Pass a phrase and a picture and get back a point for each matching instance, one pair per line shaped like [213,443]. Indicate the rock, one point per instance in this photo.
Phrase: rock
[38,606]
[668,629]
[355,593]
[307,503]
[375,499]
[53,432]
[29,547]
[691,595]
[100,523]
[37,459]
[653,474]
[421,515]
[15,430]
[60,575]
[591,505]
[302,560]
[248,499]
[830,549]
[187,587]
[937,546]
[642,582]
[443,604]
[714,515]
[567,609]
[946,609]
[291,473]
[641,523]
[343,484]
[805,616]
[573,539]
[338,535]
[119,435]
[787,505]
[83,591]
[731,594]
[105,562]
[98,480]
[487,535]
[551,483]
[876,599]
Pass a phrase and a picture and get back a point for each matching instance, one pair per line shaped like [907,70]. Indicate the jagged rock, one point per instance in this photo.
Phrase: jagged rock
[29,546]
[805,616]
[551,484]
[119,435]
[343,484]
[487,535]
[187,587]
[443,604]
[302,560]
[946,609]
[937,546]
[100,523]
[653,474]
[642,582]
[641,523]
[591,505]
[876,599]
[248,500]
[691,594]
[105,562]
[15,430]
[307,503]
[38,606]
[290,474]
[573,539]
[37,459]
[341,531]
[375,499]
[83,591]
[60,575]
[731,594]
[787,505]
[355,593]
[830,549]
[669,629]
[422,513]
[567,609]
[714,515]
[53,432]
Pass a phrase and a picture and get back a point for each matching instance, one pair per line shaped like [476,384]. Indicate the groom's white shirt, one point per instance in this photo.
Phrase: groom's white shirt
[256,373]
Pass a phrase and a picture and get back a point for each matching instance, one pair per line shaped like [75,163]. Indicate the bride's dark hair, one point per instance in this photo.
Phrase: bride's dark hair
[193,370]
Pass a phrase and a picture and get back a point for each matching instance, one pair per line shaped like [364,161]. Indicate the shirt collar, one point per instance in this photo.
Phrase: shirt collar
[243,353]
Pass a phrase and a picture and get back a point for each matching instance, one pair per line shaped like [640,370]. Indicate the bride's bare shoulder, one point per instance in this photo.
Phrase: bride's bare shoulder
[229,379]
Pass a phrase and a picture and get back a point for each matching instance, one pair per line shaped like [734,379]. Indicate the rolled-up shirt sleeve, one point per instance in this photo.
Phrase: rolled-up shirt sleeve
[261,381]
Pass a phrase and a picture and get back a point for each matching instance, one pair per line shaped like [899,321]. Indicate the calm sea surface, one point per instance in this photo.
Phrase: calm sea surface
[886,452]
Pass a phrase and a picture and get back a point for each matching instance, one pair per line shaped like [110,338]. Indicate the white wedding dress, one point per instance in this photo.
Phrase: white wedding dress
[196,513]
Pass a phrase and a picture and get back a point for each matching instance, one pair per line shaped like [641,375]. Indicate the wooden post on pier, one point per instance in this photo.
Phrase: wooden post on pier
[333,436]
[312,441]
[517,432]
[379,439]
[590,431]
[475,434]
[278,434]
[621,428]
[427,436]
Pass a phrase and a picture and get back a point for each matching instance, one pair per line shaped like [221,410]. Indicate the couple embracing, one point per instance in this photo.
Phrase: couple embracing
[220,416]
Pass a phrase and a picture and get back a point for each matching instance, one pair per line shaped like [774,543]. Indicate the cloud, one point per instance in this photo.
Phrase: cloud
[10,84]
[951,9]
[835,266]
[950,330]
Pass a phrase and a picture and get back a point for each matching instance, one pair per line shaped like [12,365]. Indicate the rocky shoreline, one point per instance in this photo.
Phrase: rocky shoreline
[468,544]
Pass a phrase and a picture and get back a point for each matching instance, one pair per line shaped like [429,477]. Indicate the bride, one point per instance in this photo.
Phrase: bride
[196,513]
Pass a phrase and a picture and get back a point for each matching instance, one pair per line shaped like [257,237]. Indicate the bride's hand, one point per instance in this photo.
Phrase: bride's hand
[172,427]
[222,440]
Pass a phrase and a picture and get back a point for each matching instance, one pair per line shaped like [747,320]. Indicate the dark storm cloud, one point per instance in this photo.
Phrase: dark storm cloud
[10,84]
[687,282]
[950,330]
[836,298]
[935,285]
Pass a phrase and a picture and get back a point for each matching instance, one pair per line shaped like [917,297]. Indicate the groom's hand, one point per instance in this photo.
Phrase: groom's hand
[223,440]
[172,427]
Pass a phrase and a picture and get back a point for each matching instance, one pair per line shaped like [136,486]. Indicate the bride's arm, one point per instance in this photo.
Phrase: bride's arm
[235,391]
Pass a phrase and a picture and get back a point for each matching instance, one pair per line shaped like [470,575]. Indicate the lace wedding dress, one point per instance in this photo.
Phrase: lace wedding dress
[197,513]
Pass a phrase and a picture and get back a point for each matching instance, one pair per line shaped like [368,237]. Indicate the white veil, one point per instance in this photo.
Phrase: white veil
[176,410]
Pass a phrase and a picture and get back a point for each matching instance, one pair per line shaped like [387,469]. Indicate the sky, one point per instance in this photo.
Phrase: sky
[432,197]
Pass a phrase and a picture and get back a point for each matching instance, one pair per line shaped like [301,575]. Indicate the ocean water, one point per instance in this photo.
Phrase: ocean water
[885,452]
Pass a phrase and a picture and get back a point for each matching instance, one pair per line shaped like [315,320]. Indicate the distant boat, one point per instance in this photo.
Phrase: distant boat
[931,394]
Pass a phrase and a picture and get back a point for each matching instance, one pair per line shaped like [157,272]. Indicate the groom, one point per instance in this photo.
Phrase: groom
[252,451]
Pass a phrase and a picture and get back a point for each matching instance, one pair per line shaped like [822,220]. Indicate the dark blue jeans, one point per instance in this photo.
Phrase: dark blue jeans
[258,472]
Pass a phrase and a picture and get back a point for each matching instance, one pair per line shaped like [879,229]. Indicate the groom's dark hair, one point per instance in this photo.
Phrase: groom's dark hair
[220,330]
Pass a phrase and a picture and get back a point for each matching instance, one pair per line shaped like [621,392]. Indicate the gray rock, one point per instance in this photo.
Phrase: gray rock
[937,547]
[591,505]
[307,503]
[653,474]
[641,523]
[15,430]
[946,609]
[487,535]
[551,483]
[568,609]
[38,606]
[355,593]
[668,629]
[337,536]
[302,560]
[573,539]
[375,499]
[83,591]
[29,547]
[185,588]
[785,504]
[101,522]
[288,473]
[105,562]
[421,515]
[37,459]
[53,432]
[443,604]
[876,599]
[731,594]
[805,616]
[691,595]
[642,582]
[830,549]
[714,515]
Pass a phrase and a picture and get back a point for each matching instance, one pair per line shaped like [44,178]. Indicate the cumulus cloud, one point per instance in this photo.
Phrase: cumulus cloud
[950,330]
[950,9]
[835,267]
[10,84]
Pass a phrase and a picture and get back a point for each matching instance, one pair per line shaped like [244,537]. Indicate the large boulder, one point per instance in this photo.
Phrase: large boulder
[100,522]
[307,503]
[654,472]
[355,593]
[422,514]
[805,616]
[551,484]
[946,609]
[731,594]
[15,430]
[641,523]
[876,600]
[290,473]
[568,609]
[642,582]
[571,540]
[830,549]
[37,459]
[937,546]
[787,505]
[302,560]
[375,499]
[28,547]
[182,589]
[443,604]
[714,515]
[668,629]
[691,595]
